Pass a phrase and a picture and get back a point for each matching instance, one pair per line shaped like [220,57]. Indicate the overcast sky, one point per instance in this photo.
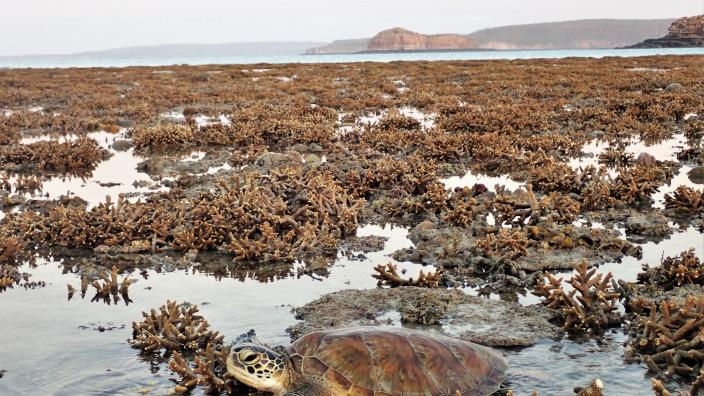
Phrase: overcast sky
[66,26]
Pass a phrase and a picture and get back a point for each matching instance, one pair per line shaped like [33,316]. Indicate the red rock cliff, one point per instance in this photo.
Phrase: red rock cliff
[398,39]
[688,27]
[684,32]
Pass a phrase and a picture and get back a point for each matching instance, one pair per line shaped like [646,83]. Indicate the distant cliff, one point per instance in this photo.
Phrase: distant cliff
[398,39]
[582,34]
[684,32]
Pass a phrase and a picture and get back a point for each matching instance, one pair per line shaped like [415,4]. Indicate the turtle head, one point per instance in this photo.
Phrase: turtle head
[258,366]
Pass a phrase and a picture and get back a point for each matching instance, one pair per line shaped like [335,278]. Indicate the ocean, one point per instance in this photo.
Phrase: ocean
[103,61]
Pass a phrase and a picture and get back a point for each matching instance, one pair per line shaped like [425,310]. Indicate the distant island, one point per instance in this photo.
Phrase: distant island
[580,34]
[684,32]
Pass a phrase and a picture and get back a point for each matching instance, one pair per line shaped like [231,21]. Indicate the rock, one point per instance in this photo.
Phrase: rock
[398,39]
[655,294]
[454,250]
[312,160]
[122,145]
[674,87]
[696,175]
[684,32]
[365,244]
[476,319]
[646,159]
[650,224]
[270,160]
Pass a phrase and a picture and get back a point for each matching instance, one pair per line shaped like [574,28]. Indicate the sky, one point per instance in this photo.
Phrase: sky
[68,26]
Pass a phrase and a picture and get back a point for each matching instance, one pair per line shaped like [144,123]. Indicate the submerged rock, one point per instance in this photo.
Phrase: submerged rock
[696,175]
[648,225]
[476,319]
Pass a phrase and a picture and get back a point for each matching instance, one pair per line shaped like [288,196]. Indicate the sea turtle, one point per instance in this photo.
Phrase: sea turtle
[368,361]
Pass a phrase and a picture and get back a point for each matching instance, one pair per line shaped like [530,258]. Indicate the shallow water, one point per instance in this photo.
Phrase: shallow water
[56,356]
[61,352]
[111,177]
[98,61]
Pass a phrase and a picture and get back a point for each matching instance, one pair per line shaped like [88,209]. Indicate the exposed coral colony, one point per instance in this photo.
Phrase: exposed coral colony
[297,164]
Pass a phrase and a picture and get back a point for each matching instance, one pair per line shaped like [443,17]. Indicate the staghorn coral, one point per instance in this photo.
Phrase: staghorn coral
[9,276]
[388,275]
[11,250]
[163,135]
[198,354]
[509,244]
[685,201]
[209,369]
[675,271]
[106,287]
[669,339]
[616,156]
[174,327]
[73,157]
[258,217]
[592,310]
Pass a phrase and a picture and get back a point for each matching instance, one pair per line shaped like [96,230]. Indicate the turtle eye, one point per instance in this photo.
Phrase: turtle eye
[249,357]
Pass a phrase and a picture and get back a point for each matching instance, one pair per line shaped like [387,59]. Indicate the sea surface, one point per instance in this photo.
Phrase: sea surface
[60,61]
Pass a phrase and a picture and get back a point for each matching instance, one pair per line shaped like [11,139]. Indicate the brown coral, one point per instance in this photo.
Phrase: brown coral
[675,271]
[592,310]
[388,275]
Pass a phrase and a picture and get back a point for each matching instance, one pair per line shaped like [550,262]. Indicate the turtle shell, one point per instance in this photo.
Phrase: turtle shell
[395,361]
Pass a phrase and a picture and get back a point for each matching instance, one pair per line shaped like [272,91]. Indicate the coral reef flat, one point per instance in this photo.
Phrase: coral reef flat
[551,209]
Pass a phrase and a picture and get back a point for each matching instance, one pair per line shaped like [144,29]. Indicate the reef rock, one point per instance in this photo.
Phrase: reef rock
[475,319]
[398,39]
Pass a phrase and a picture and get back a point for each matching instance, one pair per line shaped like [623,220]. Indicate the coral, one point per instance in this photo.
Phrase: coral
[396,120]
[209,370]
[272,217]
[669,339]
[163,135]
[184,333]
[592,310]
[73,157]
[595,388]
[509,244]
[685,201]
[110,287]
[173,327]
[388,275]
[616,156]
[11,250]
[675,271]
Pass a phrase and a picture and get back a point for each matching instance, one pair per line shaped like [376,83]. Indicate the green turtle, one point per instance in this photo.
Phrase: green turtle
[368,361]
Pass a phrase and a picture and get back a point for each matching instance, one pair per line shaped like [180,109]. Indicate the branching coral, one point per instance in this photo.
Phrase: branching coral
[589,307]
[258,217]
[388,275]
[183,332]
[675,271]
[670,338]
[73,157]
[209,369]
[685,201]
[509,244]
[173,327]
[11,249]
[163,135]
[106,287]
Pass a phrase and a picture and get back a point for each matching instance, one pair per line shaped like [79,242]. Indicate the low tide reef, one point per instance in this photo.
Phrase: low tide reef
[247,174]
